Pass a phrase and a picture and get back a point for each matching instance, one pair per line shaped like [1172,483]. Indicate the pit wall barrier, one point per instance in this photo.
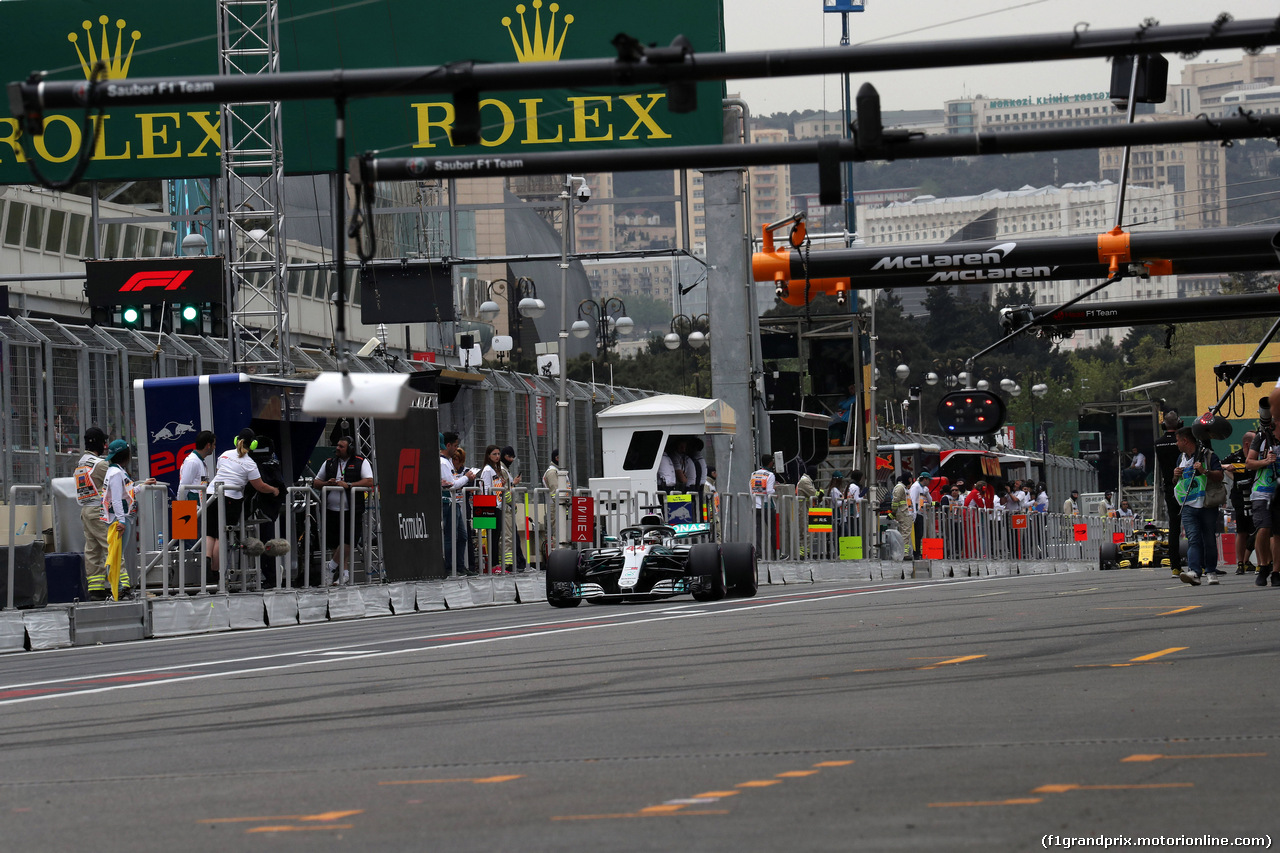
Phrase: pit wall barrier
[168,610]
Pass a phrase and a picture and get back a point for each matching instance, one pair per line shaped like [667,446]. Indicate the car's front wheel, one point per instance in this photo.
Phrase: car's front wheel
[705,572]
[1108,554]
[562,574]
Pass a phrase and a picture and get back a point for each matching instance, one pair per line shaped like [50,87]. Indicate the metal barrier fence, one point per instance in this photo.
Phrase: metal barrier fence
[782,529]
[529,523]
[177,567]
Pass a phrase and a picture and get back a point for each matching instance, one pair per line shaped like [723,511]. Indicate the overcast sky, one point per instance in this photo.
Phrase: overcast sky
[770,25]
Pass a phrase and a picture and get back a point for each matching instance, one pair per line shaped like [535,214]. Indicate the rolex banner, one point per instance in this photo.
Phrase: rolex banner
[146,38]
[408,486]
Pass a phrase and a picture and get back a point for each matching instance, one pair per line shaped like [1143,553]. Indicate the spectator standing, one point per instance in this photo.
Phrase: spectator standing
[236,469]
[1262,461]
[804,486]
[556,481]
[451,518]
[1166,454]
[1042,498]
[1071,506]
[491,476]
[763,484]
[900,504]
[513,540]
[853,501]
[921,499]
[1240,496]
[978,504]
[1197,467]
[1019,494]
[555,478]
[348,470]
[90,475]
[193,477]
[119,508]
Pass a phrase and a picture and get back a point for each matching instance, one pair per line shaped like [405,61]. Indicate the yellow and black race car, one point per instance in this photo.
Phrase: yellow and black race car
[1147,547]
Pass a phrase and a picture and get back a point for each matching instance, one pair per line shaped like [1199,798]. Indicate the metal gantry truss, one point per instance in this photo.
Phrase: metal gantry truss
[252,201]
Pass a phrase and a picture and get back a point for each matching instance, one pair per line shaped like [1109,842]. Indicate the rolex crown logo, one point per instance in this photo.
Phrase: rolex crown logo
[117,63]
[538,49]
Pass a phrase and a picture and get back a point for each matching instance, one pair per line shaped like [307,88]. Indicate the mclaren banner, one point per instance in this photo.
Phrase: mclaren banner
[147,38]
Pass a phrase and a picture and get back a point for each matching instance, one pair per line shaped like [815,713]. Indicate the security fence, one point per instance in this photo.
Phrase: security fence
[515,530]
[790,528]
[257,552]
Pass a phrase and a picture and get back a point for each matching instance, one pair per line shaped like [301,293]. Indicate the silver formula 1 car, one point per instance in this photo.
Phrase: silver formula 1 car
[652,562]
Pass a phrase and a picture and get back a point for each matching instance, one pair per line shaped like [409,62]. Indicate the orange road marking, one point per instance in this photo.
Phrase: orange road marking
[1141,757]
[488,780]
[331,826]
[661,809]
[795,774]
[1062,789]
[1021,801]
[1160,653]
[718,794]
[953,660]
[1180,610]
[833,764]
[638,814]
[321,816]
[759,783]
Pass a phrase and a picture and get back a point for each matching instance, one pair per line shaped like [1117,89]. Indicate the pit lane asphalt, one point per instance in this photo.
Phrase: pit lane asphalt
[940,715]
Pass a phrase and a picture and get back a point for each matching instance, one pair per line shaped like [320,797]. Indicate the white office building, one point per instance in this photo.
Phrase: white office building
[1069,210]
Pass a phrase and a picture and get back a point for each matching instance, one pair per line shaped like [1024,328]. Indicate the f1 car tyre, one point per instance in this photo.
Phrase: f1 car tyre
[739,568]
[562,572]
[705,572]
[1108,553]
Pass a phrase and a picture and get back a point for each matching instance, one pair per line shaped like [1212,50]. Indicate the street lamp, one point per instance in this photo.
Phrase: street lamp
[610,317]
[527,304]
[696,331]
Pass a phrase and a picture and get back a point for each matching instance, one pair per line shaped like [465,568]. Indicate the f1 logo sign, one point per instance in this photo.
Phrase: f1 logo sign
[407,476]
[163,279]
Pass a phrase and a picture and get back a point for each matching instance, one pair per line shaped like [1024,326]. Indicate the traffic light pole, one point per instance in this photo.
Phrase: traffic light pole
[661,66]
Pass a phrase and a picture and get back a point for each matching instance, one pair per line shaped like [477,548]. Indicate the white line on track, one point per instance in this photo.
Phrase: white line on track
[342,654]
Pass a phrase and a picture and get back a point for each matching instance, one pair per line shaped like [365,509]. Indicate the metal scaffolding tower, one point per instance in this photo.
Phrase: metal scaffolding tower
[251,203]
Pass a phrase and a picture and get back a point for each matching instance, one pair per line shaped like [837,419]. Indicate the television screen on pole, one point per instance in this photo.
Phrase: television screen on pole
[145,38]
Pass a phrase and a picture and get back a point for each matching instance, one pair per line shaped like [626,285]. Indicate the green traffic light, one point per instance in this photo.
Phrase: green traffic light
[190,313]
[131,315]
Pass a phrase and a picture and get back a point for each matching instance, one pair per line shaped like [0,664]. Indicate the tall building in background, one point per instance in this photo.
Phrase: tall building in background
[1191,174]
[1069,210]
[1218,88]
[593,225]
[693,209]
[770,186]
